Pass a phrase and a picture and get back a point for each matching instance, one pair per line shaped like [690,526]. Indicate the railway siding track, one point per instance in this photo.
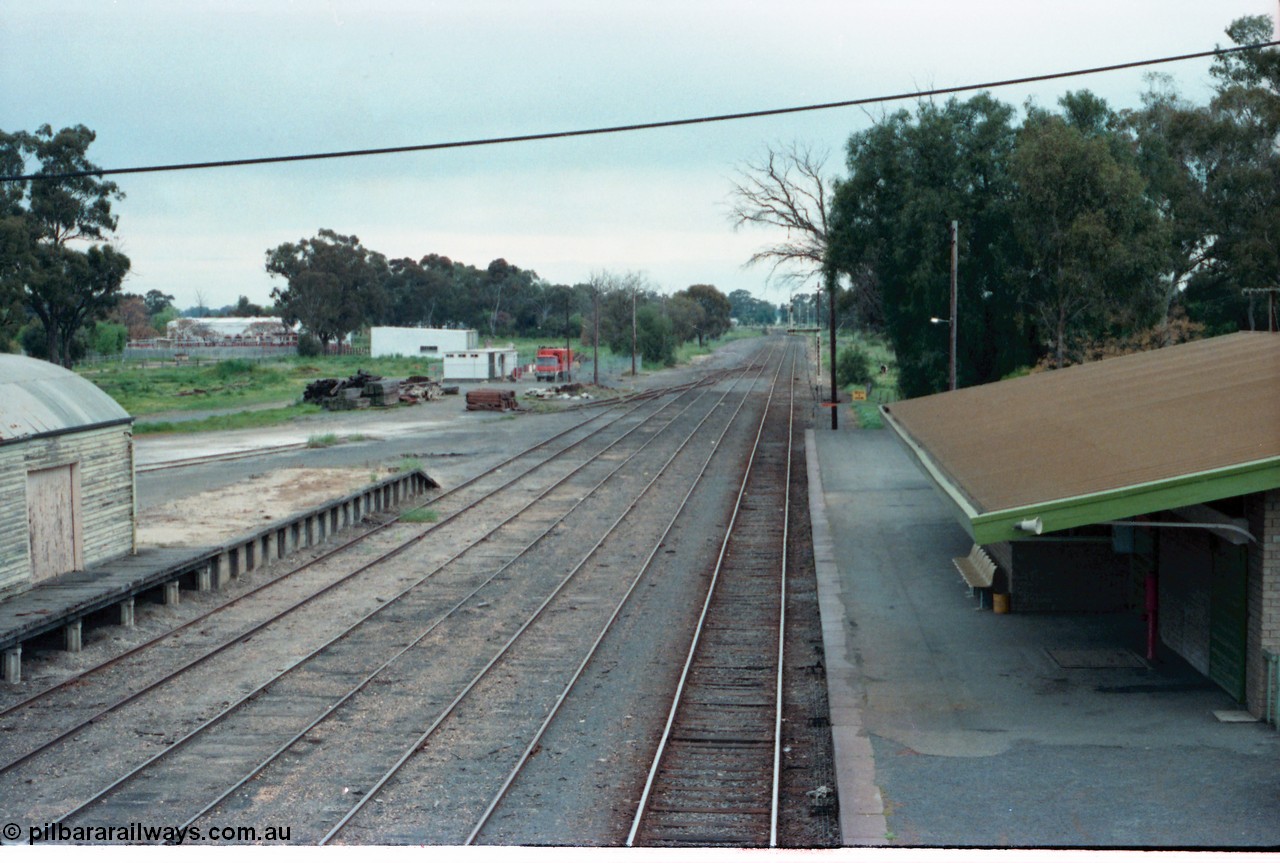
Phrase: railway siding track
[343,663]
[507,711]
[234,668]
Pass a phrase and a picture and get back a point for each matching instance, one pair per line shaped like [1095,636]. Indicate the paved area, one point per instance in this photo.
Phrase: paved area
[955,726]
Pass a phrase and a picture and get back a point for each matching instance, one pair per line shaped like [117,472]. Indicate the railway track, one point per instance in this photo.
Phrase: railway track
[459,501]
[497,495]
[714,780]
[462,579]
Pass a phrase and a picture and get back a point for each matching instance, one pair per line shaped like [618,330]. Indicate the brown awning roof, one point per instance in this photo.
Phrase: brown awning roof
[1189,413]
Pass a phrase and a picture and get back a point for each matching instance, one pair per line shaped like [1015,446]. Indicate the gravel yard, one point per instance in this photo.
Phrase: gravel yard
[581,785]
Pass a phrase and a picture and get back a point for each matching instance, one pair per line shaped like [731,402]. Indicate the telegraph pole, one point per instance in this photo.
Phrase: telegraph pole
[1271,304]
[835,393]
[633,331]
[568,371]
[955,228]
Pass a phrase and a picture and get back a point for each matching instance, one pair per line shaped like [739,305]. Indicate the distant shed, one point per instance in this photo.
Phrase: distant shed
[427,342]
[481,364]
[66,474]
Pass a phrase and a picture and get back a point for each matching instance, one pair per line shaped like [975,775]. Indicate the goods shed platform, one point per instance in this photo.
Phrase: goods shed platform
[62,602]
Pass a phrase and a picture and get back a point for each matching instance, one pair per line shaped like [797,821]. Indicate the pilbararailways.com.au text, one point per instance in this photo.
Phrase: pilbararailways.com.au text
[136,832]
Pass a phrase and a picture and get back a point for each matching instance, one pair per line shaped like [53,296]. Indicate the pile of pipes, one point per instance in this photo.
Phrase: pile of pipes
[492,400]
[363,390]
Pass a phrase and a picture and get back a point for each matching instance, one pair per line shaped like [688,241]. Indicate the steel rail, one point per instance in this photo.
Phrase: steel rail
[698,629]
[782,617]
[332,552]
[409,752]
[214,458]
[591,651]
[246,634]
[283,748]
[231,708]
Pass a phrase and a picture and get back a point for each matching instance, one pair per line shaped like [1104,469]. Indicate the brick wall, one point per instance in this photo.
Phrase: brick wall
[1068,576]
[1263,513]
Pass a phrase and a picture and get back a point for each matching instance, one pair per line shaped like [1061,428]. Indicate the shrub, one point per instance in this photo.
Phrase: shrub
[109,338]
[232,368]
[853,366]
[309,346]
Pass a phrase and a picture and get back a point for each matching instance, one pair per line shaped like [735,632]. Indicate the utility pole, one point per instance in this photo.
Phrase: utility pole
[568,370]
[633,330]
[955,228]
[595,348]
[1271,304]
[835,393]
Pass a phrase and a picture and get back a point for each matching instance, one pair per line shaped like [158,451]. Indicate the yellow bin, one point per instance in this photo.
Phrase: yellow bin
[1000,603]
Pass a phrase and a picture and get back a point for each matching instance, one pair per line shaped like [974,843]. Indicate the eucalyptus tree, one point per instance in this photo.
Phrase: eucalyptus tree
[1244,191]
[334,285]
[1091,244]
[909,176]
[43,220]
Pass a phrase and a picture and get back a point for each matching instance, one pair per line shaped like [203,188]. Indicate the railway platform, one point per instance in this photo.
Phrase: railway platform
[956,726]
[64,602]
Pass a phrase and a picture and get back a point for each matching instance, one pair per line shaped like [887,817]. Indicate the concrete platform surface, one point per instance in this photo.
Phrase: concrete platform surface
[956,726]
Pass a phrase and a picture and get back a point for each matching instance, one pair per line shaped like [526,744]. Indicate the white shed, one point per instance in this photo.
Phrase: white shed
[419,341]
[481,364]
[66,474]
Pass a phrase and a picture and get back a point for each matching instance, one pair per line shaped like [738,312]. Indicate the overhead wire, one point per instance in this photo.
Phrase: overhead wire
[637,127]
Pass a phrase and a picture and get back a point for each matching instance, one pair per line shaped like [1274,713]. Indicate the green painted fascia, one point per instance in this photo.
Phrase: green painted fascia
[1055,515]
[1065,513]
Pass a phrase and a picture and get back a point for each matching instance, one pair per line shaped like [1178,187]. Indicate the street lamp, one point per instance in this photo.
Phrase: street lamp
[951,374]
[951,383]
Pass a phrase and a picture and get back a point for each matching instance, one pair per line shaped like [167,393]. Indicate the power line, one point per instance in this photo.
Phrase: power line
[638,127]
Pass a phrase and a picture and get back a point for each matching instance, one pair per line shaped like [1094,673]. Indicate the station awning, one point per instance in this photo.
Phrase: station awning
[1107,440]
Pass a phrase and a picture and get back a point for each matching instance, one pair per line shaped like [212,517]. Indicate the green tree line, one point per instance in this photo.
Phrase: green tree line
[334,285]
[61,281]
[1082,230]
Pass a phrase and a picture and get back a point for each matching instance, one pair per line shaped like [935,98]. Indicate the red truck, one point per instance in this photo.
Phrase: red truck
[552,364]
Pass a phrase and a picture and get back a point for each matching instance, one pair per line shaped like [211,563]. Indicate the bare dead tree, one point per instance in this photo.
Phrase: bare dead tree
[785,188]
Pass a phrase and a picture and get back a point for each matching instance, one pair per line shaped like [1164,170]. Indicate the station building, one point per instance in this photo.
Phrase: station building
[1147,484]
[66,474]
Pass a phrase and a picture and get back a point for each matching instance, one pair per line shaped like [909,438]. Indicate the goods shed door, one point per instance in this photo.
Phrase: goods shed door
[1229,617]
[53,519]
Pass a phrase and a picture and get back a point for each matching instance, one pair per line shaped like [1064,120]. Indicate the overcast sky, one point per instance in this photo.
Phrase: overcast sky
[166,82]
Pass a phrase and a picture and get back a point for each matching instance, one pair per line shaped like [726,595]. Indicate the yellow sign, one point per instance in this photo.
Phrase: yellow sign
[860,395]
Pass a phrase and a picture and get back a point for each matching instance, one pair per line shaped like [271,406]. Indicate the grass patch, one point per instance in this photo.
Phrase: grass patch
[317,441]
[883,384]
[151,389]
[867,415]
[408,464]
[227,422]
[420,516]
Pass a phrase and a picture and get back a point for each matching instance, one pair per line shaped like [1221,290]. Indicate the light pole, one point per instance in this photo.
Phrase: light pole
[955,230]
[951,372]
[831,295]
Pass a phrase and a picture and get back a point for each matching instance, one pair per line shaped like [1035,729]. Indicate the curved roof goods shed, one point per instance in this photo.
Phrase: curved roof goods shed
[66,474]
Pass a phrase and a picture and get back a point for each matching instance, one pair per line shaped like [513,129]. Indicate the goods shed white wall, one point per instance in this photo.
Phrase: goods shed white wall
[419,341]
[66,474]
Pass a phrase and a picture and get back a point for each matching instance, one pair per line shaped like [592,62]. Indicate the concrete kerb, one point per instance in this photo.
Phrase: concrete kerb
[862,820]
